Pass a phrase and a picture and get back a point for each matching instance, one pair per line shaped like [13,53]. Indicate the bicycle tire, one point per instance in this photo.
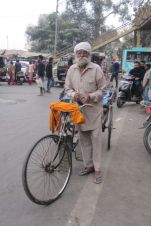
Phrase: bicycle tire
[147,139]
[104,120]
[110,127]
[46,182]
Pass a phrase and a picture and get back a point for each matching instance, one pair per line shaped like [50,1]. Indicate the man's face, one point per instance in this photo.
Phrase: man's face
[82,58]
[142,64]
[82,53]
[136,65]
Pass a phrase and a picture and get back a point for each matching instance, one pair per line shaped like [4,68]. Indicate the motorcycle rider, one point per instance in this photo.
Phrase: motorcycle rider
[137,75]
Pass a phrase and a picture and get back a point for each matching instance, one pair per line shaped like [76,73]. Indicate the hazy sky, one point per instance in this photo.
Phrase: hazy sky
[16,15]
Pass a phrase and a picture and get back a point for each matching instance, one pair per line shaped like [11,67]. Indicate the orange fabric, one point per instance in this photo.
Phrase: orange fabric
[77,116]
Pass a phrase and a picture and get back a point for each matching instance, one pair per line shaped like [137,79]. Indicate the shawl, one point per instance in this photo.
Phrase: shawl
[77,116]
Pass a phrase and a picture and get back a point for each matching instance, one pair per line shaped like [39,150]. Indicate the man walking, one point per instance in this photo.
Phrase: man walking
[41,73]
[115,71]
[17,69]
[84,83]
[49,74]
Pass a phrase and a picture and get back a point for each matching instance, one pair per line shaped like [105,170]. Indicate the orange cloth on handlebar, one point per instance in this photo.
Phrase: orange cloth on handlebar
[77,116]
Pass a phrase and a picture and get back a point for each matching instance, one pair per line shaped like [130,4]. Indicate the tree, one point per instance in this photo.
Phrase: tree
[145,38]
[81,20]
[103,9]
[41,37]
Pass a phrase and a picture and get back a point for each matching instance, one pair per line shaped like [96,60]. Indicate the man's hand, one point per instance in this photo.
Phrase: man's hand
[137,78]
[85,99]
[80,98]
[76,97]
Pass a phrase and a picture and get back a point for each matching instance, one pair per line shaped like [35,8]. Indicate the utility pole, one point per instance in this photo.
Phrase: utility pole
[7,42]
[56,28]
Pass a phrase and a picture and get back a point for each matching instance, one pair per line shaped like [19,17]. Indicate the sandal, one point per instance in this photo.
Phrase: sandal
[86,171]
[98,177]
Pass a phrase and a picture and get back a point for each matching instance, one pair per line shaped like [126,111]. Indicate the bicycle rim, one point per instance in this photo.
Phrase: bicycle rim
[110,127]
[46,170]
[147,139]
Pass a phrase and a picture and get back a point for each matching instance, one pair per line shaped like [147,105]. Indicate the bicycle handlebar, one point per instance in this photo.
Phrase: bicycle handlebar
[86,105]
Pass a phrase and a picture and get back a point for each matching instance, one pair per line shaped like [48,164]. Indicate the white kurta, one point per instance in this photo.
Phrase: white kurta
[91,81]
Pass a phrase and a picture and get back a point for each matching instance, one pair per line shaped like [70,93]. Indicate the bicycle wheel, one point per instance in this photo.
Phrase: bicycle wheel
[110,127]
[46,170]
[147,139]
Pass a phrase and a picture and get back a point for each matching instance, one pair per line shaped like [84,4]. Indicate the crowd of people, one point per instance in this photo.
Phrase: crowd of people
[140,74]
[37,69]
[14,68]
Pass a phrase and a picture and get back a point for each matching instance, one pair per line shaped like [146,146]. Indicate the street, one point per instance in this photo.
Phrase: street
[123,198]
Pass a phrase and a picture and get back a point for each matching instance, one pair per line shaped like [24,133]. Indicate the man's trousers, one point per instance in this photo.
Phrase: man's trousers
[91,147]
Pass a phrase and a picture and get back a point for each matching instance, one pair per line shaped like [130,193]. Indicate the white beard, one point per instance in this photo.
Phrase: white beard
[82,61]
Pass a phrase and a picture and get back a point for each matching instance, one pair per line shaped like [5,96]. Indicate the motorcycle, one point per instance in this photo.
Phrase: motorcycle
[125,93]
[20,78]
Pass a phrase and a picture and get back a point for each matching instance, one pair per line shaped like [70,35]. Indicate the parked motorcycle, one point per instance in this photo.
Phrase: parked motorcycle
[125,92]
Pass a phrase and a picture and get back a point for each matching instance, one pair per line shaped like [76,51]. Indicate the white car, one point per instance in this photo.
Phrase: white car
[22,74]
[24,66]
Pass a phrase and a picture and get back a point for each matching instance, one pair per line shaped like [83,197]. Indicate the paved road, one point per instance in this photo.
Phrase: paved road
[124,197]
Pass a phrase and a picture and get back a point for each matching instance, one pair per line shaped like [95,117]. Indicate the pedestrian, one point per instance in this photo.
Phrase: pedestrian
[146,82]
[70,61]
[49,74]
[41,73]
[103,64]
[104,67]
[11,73]
[17,69]
[115,71]
[30,72]
[85,83]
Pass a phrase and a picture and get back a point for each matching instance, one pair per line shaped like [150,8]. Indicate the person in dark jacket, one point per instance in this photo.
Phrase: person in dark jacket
[17,66]
[41,73]
[115,71]
[137,74]
[17,69]
[49,74]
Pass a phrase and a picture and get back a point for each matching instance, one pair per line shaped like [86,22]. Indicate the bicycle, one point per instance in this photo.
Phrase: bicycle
[48,165]
[107,117]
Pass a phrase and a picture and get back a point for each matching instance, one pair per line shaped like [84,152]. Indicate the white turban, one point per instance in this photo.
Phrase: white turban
[84,46]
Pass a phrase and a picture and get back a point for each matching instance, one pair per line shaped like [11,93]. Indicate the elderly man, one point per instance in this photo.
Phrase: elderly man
[84,83]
